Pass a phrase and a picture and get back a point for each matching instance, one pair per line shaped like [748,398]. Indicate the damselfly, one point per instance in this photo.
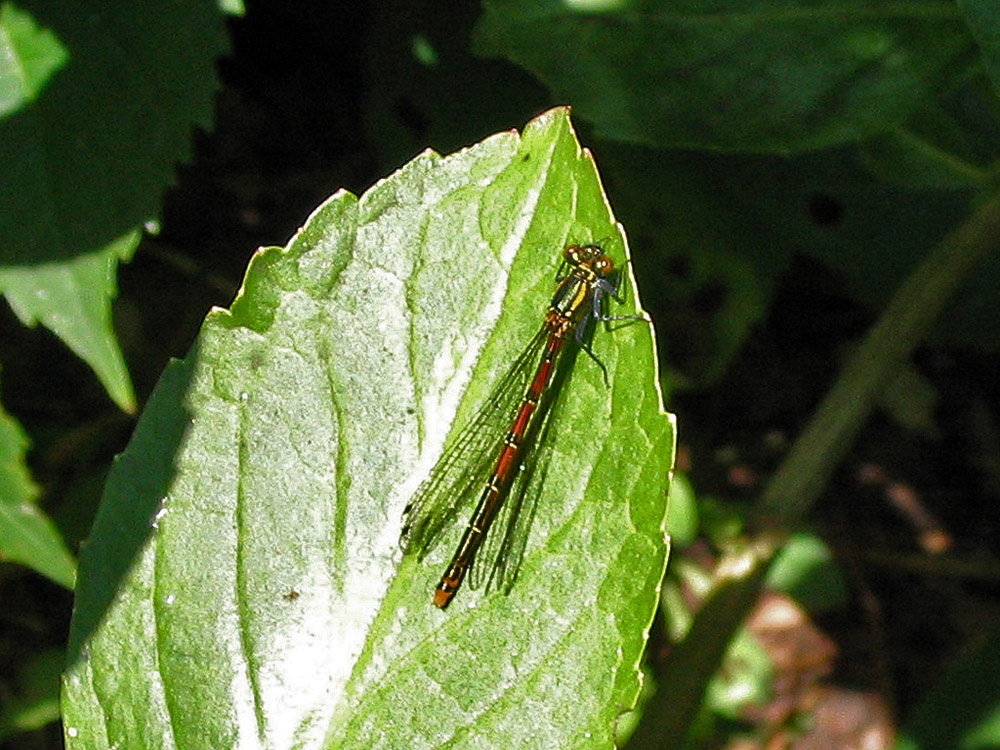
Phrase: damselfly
[497,466]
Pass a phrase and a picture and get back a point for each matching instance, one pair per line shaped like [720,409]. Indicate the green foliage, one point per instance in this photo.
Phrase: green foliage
[806,571]
[746,75]
[963,713]
[242,584]
[26,535]
[254,519]
[36,702]
[96,109]
[97,105]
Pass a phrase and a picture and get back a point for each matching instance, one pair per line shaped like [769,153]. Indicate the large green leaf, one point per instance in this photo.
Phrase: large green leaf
[748,75]
[97,103]
[243,584]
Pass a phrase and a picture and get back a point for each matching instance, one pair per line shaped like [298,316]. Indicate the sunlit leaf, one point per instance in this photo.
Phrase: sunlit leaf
[243,583]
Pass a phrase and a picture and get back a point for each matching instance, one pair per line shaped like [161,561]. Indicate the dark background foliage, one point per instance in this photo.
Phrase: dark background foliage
[764,252]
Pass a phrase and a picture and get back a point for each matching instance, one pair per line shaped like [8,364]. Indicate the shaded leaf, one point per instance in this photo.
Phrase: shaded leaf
[27,536]
[754,75]
[984,23]
[35,702]
[73,300]
[97,105]
[963,712]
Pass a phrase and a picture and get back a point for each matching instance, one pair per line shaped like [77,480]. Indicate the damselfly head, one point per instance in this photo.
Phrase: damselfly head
[603,266]
[589,256]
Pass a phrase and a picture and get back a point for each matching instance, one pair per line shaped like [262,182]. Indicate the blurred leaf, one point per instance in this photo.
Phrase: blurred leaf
[706,270]
[874,234]
[747,75]
[912,401]
[27,536]
[426,88]
[73,299]
[692,663]
[904,158]
[963,712]
[97,105]
[805,570]
[232,7]
[254,519]
[92,138]
[36,700]
[36,55]
[682,515]
[949,144]
[984,23]
[744,679]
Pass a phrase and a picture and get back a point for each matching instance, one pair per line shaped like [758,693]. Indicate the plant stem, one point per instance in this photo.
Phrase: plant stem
[905,322]
[803,475]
